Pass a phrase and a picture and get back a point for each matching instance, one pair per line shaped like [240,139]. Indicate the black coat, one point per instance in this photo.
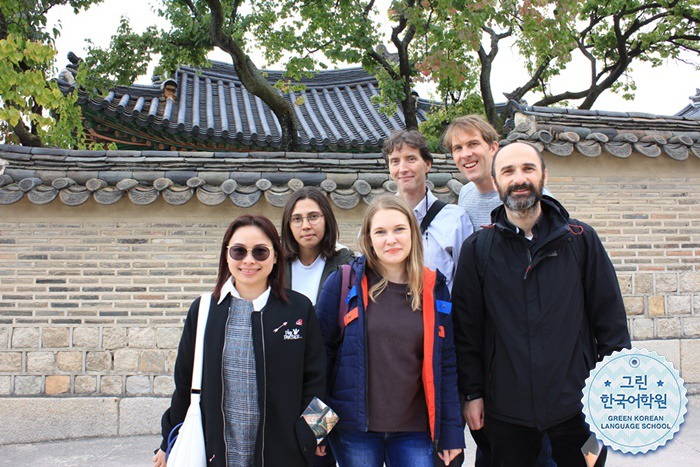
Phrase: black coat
[528,336]
[343,256]
[290,372]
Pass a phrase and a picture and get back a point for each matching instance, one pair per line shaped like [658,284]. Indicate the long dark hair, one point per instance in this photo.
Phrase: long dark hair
[330,237]
[276,278]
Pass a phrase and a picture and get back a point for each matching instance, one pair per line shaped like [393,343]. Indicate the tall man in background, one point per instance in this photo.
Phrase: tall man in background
[444,226]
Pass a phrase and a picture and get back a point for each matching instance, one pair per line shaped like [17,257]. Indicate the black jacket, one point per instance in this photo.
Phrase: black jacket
[290,372]
[528,336]
[343,256]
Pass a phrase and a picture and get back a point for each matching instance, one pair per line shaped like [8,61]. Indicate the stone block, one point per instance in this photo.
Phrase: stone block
[643,328]
[111,385]
[643,283]
[671,349]
[32,420]
[126,360]
[85,384]
[691,326]
[690,282]
[25,338]
[142,338]
[678,304]
[138,385]
[668,328]
[625,281]
[666,282]
[4,338]
[634,305]
[26,385]
[163,385]
[98,361]
[113,338]
[5,385]
[55,338]
[690,360]
[141,415]
[70,362]
[168,338]
[172,358]
[152,361]
[57,384]
[41,362]
[10,362]
[86,337]
[656,306]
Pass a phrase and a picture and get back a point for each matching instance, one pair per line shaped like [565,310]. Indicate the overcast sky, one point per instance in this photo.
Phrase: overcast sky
[664,90]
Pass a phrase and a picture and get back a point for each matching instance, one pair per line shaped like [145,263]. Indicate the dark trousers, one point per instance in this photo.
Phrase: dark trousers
[517,445]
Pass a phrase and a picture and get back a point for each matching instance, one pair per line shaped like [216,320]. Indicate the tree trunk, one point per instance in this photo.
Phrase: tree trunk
[253,80]
[485,86]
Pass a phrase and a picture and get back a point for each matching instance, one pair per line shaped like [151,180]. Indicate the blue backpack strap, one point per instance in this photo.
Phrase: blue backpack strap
[346,284]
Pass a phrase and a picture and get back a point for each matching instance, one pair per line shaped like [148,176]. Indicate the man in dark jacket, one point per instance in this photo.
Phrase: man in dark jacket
[537,303]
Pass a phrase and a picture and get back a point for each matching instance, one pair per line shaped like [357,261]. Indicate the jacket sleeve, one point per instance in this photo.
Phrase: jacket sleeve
[451,430]
[314,362]
[602,298]
[180,401]
[327,314]
[468,319]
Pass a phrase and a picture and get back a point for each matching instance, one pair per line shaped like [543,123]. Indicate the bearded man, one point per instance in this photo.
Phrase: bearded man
[536,304]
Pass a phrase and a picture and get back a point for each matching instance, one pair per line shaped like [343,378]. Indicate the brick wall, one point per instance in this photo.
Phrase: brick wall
[92,297]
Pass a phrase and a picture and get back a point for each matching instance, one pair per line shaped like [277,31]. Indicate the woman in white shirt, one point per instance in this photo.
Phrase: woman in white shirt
[309,238]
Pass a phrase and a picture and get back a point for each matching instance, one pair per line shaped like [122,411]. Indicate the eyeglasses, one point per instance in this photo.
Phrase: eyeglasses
[239,252]
[313,218]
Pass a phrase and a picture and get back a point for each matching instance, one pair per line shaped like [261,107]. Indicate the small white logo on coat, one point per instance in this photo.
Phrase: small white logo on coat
[292,334]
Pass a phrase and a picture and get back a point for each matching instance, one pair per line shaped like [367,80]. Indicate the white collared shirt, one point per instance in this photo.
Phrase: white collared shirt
[229,288]
[442,241]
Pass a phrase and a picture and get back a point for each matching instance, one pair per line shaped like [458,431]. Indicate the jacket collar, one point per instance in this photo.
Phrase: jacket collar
[553,221]
[229,288]
[423,205]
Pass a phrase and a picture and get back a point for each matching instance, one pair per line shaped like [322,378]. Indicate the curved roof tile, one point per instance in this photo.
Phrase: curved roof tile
[591,132]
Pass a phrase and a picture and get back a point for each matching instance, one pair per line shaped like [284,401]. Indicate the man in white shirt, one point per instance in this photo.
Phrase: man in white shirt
[406,153]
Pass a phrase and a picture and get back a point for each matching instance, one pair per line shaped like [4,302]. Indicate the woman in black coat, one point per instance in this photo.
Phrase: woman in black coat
[264,358]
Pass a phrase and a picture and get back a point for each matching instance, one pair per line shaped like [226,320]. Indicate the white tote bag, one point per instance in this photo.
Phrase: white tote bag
[189,450]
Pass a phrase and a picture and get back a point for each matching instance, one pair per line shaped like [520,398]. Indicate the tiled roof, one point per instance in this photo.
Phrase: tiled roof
[73,177]
[590,132]
[691,110]
[212,110]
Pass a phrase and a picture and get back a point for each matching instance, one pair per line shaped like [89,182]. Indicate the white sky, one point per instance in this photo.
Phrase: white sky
[664,90]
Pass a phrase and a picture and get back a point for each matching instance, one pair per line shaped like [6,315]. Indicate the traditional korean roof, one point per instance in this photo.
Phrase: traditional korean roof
[590,132]
[213,111]
[73,177]
[213,177]
[691,110]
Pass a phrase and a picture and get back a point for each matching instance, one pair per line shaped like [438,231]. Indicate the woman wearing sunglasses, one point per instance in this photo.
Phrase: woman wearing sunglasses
[263,358]
[392,376]
[309,237]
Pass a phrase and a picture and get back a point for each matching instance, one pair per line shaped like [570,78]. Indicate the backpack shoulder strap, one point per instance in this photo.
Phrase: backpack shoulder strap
[435,208]
[578,247]
[482,246]
[346,283]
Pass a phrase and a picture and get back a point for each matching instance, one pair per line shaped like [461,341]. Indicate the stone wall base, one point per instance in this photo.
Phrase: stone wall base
[37,419]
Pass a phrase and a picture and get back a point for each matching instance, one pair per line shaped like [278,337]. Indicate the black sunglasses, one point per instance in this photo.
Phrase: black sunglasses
[239,252]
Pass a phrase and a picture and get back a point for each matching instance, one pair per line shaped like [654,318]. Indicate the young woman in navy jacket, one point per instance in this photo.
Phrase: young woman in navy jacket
[391,358]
